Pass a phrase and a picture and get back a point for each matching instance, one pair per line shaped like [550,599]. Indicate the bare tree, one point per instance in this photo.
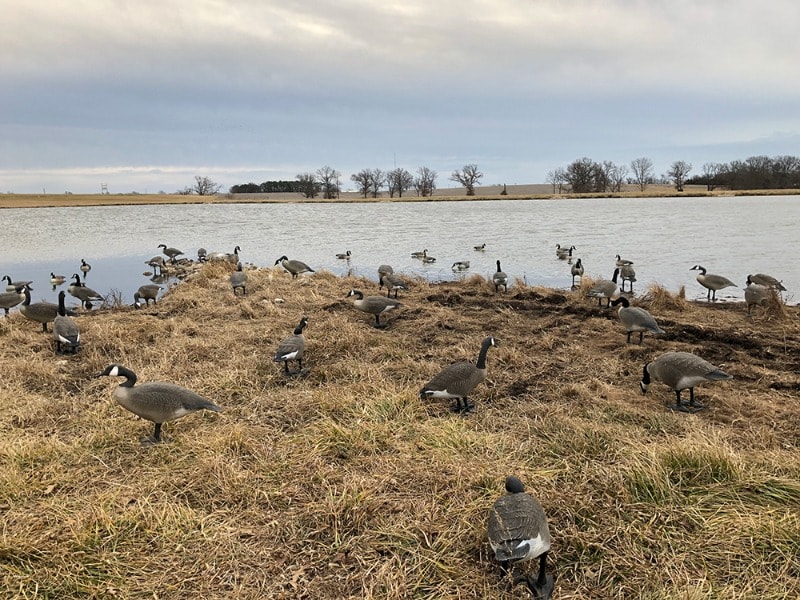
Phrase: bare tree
[362,180]
[308,185]
[642,172]
[678,172]
[204,186]
[710,173]
[425,182]
[469,176]
[615,176]
[556,178]
[329,181]
[399,181]
[376,180]
[581,175]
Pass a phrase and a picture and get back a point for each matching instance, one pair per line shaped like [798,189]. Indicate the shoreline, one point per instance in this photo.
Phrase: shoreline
[67,200]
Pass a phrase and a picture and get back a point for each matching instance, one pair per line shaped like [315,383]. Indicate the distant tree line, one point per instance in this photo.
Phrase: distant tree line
[267,187]
[754,173]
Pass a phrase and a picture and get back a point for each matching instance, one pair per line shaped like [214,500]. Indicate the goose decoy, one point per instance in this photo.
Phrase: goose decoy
[392,282]
[239,280]
[157,264]
[65,329]
[9,300]
[56,280]
[41,312]
[518,531]
[422,254]
[621,262]
[605,288]
[459,379]
[344,256]
[627,273]
[202,255]
[13,285]
[384,270]
[755,294]
[85,267]
[85,294]
[711,282]
[460,265]
[292,348]
[635,319]
[155,401]
[295,267]
[374,305]
[171,253]
[681,370]
[564,253]
[766,281]
[146,292]
[480,248]
[500,279]
[577,271]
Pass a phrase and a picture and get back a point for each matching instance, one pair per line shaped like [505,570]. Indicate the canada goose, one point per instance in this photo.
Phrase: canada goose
[577,271]
[292,348]
[460,265]
[459,379]
[480,248]
[41,312]
[500,278]
[518,531]
[65,329]
[374,305]
[157,264]
[170,253]
[635,319]
[422,254]
[155,401]
[766,280]
[56,280]
[13,285]
[9,300]
[146,292]
[83,293]
[627,273]
[384,270]
[681,370]
[239,280]
[605,288]
[711,282]
[233,257]
[392,282]
[295,267]
[621,262]
[85,267]
[755,293]
[565,253]
[202,255]
[345,256]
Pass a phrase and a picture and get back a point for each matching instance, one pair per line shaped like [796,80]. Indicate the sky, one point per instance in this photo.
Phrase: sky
[143,96]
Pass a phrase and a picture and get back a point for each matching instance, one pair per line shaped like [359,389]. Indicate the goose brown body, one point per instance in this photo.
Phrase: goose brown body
[711,282]
[85,294]
[500,279]
[680,371]
[635,319]
[295,267]
[605,288]
[41,312]
[766,281]
[292,348]
[458,380]
[239,280]
[374,305]
[65,329]
[755,294]
[9,300]
[147,293]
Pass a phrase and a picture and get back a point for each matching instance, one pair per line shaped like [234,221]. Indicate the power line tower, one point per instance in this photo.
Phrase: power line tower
[104,188]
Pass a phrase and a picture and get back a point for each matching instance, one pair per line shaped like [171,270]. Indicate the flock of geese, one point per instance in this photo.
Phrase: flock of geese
[517,526]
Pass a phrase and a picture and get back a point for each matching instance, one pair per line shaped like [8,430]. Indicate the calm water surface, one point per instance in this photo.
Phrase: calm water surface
[664,237]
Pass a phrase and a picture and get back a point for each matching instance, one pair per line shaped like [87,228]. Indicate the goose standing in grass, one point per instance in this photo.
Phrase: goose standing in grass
[13,285]
[202,255]
[85,268]
[65,329]
[171,253]
[500,279]
[622,262]
[459,379]
[480,248]
[239,280]
[577,271]
[422,254]
[605,288]
[635,319]
[711,282]
[56,280]
[565,253]
[41,312]
[295,267]
[344,256]
[146,292]
[393,283]
[292,348]
[766,280]
[374,305]
[85,294]
[518,531]
[460,265]
[681,370]
[755,294]
[156,401]
[9,300]
[627,273]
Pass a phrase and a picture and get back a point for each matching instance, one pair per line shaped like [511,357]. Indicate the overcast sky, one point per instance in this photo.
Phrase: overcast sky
[144,95]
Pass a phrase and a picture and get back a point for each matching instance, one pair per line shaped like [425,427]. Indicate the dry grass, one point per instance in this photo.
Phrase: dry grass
[343,484]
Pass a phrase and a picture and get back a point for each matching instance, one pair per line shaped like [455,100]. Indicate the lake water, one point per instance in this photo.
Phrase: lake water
[664,237]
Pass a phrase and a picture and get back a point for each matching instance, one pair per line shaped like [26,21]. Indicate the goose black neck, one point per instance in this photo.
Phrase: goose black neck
[646,375]
[498,266]
[130,376]
[616,274]
[621,300]
[62,310]
[299,329]
[481,363]
[27,292]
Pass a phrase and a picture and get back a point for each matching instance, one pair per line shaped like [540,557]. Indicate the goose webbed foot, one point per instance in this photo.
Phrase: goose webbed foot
[540,590]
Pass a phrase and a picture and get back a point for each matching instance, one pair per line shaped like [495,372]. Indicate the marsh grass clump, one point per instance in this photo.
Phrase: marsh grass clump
[659,298]
[339,482]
